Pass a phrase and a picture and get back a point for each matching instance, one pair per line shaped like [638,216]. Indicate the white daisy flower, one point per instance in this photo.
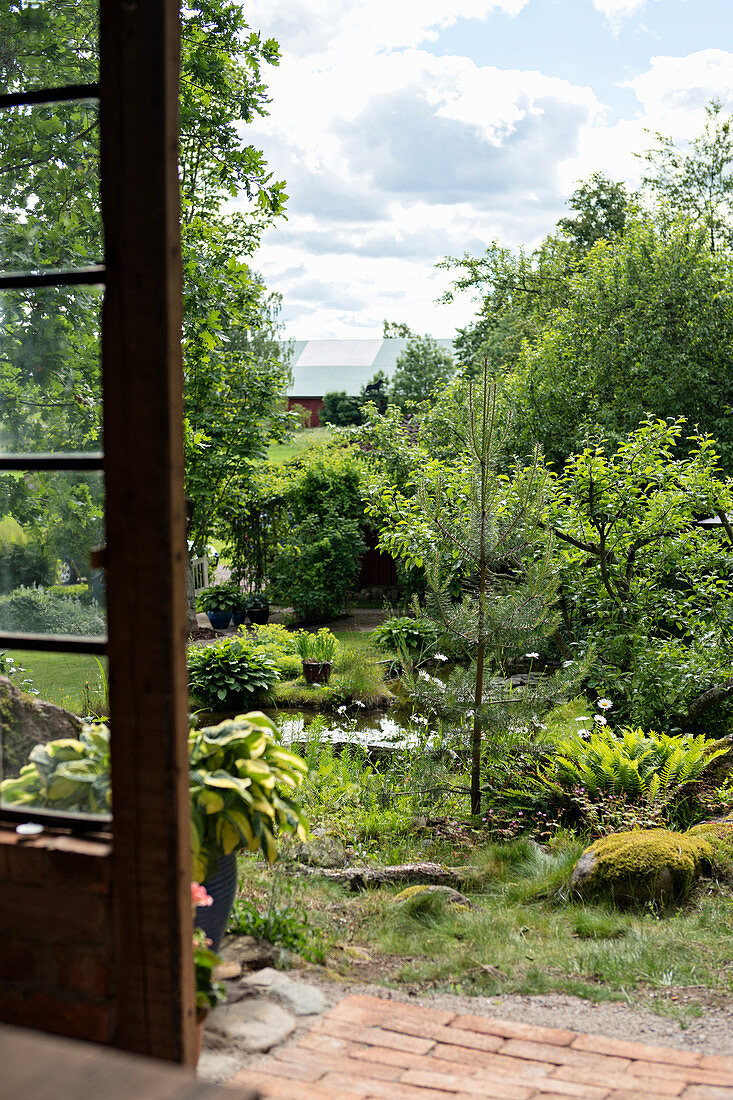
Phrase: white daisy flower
[600,719]
[584,718]
[440,657]
[605,704]
[532,656]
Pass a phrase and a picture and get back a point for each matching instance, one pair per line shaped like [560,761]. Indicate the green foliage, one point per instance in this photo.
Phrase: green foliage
[282,924]
[230,675]
[415,636]
[273,634]
[318,567]
[638,764]
[68,774]
[40,612]
[340,409]
[603,782]
[698,182]
[209,993]
[642,584]
[359,678]
[601,209]
[222,597]
[421,369]
[80,592]
[242,788]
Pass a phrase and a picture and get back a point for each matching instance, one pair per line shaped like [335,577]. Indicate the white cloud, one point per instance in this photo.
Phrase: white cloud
[395,157]
[308,27]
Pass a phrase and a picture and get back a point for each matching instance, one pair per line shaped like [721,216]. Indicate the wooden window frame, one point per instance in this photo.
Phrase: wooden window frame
[145,521]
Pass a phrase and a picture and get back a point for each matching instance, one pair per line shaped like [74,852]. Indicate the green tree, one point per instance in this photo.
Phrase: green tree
[647,326]
[601,207]
[642,583]
[697,182]
[420,370]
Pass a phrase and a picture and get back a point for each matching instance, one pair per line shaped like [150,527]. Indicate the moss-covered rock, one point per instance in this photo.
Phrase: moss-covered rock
[719,834]
[451,897]
[26,722]
[644,865]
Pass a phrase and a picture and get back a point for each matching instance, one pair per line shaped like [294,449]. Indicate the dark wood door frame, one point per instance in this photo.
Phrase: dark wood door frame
[145,557]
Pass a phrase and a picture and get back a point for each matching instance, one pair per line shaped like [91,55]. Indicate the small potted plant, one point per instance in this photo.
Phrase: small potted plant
[216,601]
[317,652]
[258,608]
[239,604]
[209,991]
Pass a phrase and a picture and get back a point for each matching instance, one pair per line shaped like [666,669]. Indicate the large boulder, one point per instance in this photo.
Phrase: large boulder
[650,865]
[25,722]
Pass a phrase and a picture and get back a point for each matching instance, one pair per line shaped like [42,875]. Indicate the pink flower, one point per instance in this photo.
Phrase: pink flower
[199,895]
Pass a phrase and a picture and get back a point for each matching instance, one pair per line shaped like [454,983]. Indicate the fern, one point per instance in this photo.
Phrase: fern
[635,764]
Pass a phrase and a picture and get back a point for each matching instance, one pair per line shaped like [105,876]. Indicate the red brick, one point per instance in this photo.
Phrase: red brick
[691,1075]
[508,1029]
[552,1085]
[384,1090]
[453,1035]
[598,1044]
[707,1092]
[375,1036]
[563,1056]
[294,1071]
[639,1093]
[361,1009]
[280,1086]
[719,1062]
[498,1063]
[614,1080]
[458,1082]
[322,1062]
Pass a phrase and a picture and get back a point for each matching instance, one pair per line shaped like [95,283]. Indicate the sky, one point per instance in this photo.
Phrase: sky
[412,130]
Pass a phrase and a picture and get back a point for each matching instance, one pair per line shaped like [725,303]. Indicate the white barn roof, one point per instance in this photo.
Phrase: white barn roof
[325,366]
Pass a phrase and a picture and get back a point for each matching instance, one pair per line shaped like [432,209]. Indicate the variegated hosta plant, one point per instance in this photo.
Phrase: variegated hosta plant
[69,774]
[242,787]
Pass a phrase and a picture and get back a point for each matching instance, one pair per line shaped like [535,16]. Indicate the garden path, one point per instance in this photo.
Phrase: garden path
[369,1047]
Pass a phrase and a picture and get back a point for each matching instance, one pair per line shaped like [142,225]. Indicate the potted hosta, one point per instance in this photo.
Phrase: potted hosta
[316,652]
[258,608]
[242,783]
[217,601]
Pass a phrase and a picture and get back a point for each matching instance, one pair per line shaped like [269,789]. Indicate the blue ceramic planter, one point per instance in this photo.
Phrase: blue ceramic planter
[222,887]
[219,619]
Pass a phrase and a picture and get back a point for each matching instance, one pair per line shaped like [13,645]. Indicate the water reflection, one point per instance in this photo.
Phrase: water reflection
[367,731]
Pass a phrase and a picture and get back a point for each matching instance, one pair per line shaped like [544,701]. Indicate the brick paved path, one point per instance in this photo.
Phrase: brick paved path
[372,1048]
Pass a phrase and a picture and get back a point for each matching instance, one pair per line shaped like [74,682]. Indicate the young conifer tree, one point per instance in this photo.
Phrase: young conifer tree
[490,570]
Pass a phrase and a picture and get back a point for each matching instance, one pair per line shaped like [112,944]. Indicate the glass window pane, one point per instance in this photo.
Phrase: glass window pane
[47,698]
[49,523]
[48,44]
[50,385]
[49,187]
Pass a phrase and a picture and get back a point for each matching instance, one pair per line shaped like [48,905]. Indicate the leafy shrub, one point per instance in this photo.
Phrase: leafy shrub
[632,779]
[284,924]
[402,633]
[67,774]
[38,611]
[271,634]
[316,569]
[71,592]
[231,675]
[287,664]
[340,409]
[221,598]
[23,560]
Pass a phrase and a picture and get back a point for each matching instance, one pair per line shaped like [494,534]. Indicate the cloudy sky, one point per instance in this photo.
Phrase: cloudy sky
[409,130]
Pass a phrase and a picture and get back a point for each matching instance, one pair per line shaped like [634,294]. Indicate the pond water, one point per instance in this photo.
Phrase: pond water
[371,730]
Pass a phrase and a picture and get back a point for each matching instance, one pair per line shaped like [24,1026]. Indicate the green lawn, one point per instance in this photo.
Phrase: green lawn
[302,440]
[61,678]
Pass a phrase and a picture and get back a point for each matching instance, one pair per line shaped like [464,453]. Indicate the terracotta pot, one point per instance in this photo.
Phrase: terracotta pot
[317,672]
